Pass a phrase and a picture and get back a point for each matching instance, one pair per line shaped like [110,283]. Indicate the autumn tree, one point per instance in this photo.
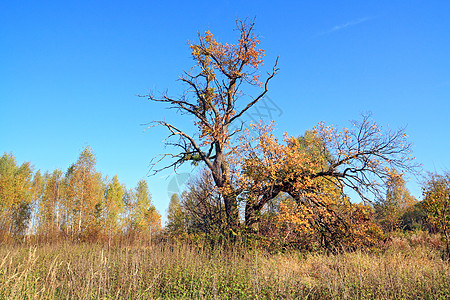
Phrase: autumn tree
[50,208]
[175,217]
[144,217]
[112,207]
[397,202]
[129,203]
[37,192]
[215,98]
[436,202]
[15,195]
[84,193]
[415,218]
[253,172]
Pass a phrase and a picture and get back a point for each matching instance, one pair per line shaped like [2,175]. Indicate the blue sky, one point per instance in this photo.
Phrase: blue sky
[70,72]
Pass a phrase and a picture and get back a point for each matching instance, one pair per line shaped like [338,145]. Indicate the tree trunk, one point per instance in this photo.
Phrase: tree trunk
[222,178]
[231,210]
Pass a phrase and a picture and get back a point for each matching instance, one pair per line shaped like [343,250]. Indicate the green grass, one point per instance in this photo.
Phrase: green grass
[90,271]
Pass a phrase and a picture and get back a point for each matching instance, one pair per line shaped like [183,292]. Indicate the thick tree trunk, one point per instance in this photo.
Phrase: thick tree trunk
[231,211]
[250,215]
[222,178]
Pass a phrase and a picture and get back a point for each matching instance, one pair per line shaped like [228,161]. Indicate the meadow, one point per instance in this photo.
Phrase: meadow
[405,269]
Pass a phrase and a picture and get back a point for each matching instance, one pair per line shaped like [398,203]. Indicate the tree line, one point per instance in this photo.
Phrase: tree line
[79,204]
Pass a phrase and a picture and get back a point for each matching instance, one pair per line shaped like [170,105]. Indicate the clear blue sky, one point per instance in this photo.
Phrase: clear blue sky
[70,72]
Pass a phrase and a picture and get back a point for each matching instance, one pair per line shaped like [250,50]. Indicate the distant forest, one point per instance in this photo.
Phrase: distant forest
[78,204]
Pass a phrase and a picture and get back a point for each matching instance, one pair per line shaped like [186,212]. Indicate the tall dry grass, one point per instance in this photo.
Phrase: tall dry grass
[89,271]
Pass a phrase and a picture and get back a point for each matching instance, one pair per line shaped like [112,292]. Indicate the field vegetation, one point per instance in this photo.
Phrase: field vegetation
[408,267]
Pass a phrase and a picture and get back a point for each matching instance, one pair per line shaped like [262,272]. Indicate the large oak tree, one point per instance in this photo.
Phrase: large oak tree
[257,169]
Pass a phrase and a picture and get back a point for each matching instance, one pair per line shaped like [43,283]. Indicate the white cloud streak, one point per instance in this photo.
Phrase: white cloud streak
[346,25]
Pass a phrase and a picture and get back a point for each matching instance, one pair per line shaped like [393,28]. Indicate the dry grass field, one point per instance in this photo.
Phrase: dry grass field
[92,271]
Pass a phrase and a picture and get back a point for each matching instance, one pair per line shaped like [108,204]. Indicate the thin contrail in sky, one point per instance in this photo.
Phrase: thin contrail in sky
[348,24]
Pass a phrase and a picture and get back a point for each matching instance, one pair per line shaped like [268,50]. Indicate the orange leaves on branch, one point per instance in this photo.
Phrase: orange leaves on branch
[317,169]
[267,162]
[222,67]
[229,59]
[300,217]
